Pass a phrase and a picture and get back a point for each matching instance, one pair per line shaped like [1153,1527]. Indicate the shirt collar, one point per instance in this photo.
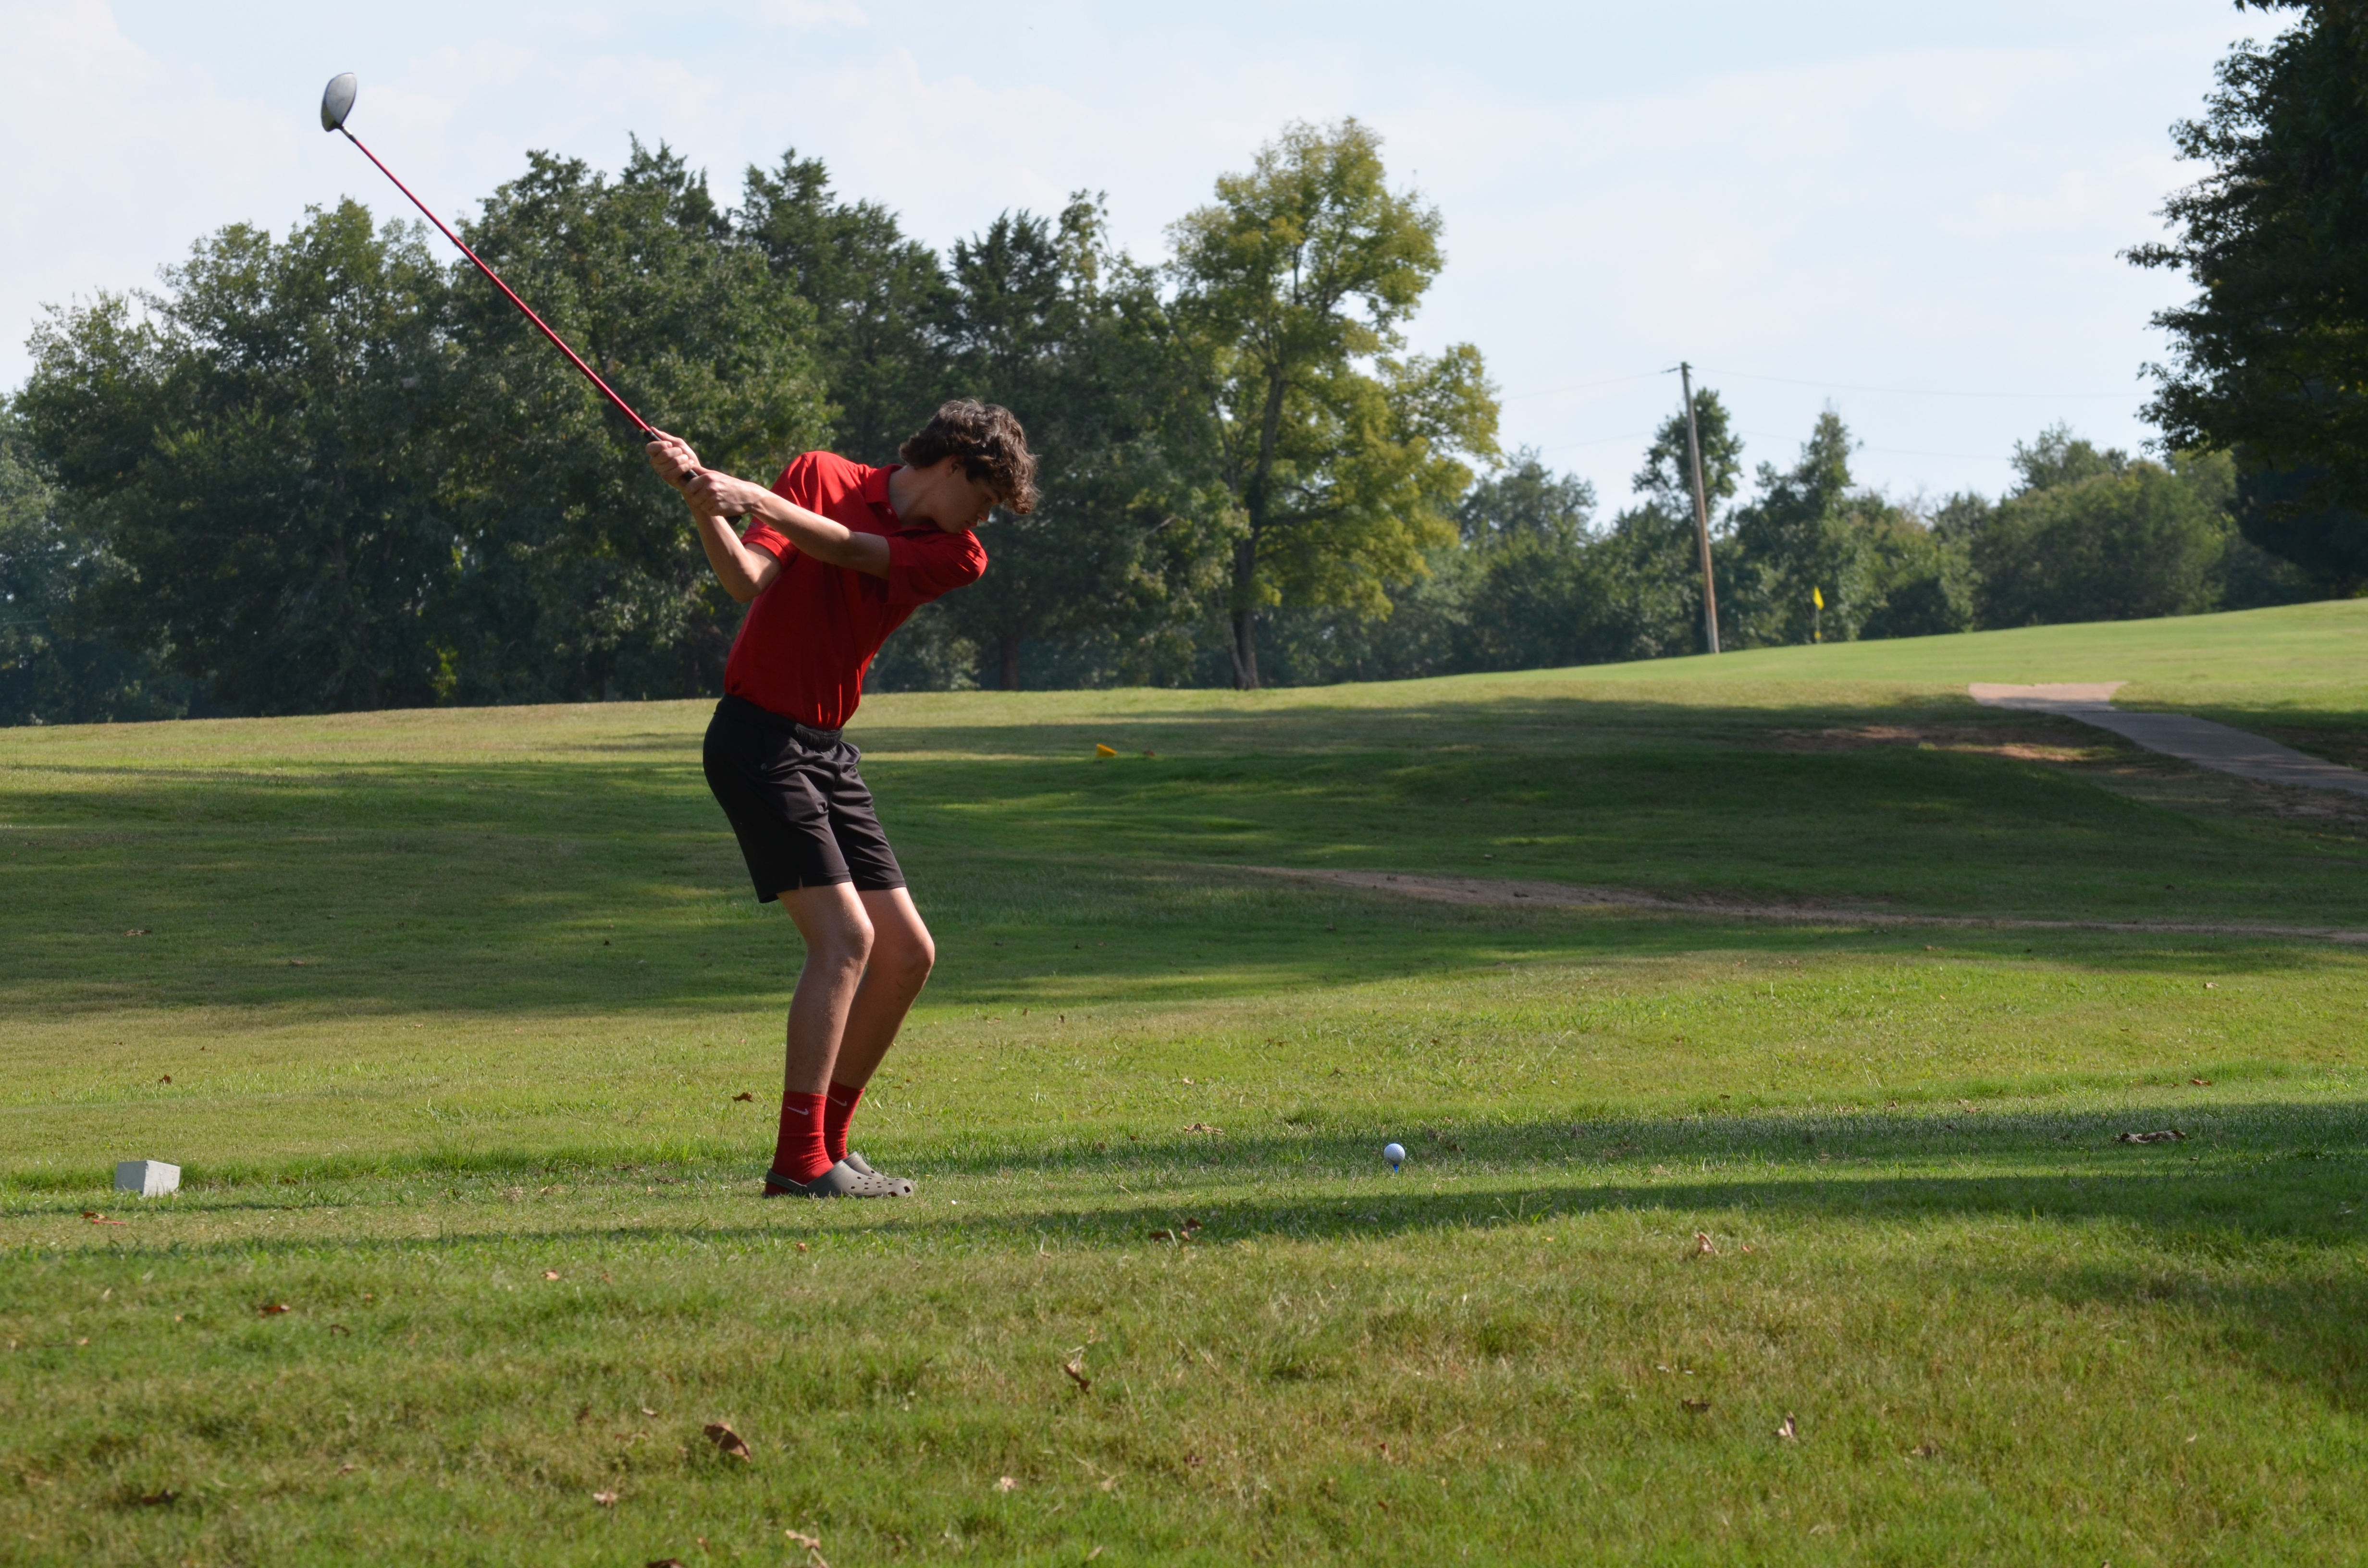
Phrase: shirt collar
[875,491]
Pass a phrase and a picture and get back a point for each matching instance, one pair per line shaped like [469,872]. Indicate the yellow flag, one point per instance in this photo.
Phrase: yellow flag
[1816,597]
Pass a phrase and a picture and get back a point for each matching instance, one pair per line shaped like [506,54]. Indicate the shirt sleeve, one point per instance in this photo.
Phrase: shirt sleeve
[764,536]
[921,566]
[799,483]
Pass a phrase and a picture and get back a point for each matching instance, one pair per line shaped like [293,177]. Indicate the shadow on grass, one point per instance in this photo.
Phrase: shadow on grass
[2237,1210]
[432,886]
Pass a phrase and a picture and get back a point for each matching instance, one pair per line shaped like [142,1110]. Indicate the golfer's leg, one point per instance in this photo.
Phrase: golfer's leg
[838,937]
[902,954]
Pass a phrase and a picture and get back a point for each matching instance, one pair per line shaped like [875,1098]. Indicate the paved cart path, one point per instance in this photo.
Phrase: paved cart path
[2199,741]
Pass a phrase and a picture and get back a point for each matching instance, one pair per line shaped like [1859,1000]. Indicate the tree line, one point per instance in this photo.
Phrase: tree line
[333,471]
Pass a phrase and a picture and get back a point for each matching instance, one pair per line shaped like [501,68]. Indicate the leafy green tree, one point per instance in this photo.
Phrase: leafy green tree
[2265,357]
[2110,541]
[578,574]
[253,451]
[52,671]
[1924,583]
[1802,536]
[1667,477]
[1053,323]
[1526,501]
[1340,461]
[881,301]
[1667,524]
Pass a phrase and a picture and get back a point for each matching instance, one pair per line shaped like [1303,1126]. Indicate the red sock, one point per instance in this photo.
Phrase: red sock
[836,1113]
[799,1155]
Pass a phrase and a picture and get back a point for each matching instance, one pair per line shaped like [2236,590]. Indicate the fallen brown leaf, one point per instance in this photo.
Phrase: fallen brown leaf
[1076,1370]
[142,931]
[665,1562]
[606,1499]
[169,1078]
[725,1439]
[96,1218]
[1163,1235]
[743,1094]
[2199,1083]
[1191,1224]
[811,1542]
[1697,1405]
[2167,1135]
[1788,1431]
[1005,1484]
[1704,1245]
[163,1499]
[1204,1127]
[551,1274]
[645,1410]
[272,1309]
[801,1247]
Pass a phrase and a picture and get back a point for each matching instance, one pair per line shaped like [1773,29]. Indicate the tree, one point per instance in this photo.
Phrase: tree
[252,447]
[52,670]
[579,575]
[1801,538]
[1667,477]
[2264,360]
[1340,461]
[1055,324]
[880,299]
[1666,481]
[2119,541]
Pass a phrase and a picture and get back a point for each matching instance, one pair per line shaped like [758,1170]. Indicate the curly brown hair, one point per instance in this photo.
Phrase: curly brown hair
[988,440]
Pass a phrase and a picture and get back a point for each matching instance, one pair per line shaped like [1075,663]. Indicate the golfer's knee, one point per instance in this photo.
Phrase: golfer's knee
[846,946]
[915,955]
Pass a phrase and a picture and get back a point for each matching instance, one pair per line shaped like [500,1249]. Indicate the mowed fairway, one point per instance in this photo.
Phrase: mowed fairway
[1789,1228]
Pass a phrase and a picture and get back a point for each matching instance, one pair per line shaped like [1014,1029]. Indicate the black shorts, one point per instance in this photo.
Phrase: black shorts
[797,804]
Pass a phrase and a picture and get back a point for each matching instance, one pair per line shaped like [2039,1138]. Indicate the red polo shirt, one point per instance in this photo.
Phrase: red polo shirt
[811,634]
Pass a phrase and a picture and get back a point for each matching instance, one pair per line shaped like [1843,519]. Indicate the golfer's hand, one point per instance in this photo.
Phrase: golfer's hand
[713,494]
[672,459]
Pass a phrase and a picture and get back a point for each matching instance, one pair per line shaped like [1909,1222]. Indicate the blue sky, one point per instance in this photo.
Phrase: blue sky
[1911,213]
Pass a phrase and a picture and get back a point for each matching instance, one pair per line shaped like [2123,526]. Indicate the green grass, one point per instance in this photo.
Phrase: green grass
[451,1002]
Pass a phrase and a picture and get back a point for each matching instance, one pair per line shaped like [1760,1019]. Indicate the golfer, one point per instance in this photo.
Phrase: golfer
[836,556]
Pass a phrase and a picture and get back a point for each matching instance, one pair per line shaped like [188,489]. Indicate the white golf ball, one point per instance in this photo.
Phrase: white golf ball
[1393,1153]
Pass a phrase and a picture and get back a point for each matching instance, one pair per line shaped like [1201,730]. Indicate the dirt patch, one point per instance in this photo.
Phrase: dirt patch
[2058,745]
[1503,892]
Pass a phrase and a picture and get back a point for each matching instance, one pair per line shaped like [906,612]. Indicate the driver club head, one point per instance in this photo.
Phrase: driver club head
[337,101]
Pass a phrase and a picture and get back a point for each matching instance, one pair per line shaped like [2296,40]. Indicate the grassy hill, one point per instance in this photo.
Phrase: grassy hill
[437,1006]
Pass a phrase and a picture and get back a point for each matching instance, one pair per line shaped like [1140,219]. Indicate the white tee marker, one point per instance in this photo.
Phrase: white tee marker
[149,1178]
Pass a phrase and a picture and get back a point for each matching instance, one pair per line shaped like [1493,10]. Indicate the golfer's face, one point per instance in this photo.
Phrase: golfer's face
[977,501]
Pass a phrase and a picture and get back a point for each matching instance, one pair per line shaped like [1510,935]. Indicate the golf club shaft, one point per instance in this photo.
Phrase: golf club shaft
[607,391]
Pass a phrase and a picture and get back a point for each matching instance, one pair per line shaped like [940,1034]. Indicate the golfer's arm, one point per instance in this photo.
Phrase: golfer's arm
[818,536]
[743,572]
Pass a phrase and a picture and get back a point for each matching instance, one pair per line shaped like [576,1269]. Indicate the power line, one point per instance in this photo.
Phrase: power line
[1916,391]
[1830,386]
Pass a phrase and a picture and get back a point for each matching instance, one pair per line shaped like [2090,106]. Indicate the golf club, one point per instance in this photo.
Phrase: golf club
[337,102]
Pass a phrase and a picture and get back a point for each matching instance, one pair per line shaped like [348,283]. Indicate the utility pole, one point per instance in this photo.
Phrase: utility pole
[1701,508]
